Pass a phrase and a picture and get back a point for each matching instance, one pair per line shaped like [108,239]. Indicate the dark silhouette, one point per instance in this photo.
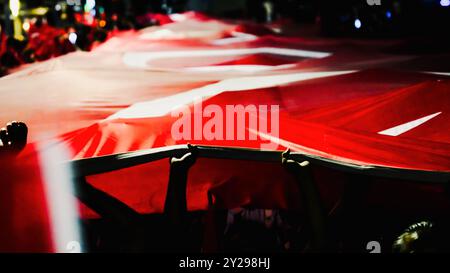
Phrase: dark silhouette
[13,138]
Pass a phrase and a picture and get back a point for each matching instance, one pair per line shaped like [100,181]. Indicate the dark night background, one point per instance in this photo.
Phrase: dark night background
[336,18]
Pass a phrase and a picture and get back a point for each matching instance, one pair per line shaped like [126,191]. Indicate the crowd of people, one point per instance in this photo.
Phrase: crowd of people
[47,36]
[43,40]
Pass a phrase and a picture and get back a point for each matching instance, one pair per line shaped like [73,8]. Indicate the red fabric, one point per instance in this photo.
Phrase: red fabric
[254,29]
[198,16]
[24,221]
[161,19]
[261,59]
[42,40]
[307,126]
[2,42]
[339,117]
[322,124]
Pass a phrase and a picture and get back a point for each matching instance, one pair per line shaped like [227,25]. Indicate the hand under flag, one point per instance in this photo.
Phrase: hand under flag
[13,138]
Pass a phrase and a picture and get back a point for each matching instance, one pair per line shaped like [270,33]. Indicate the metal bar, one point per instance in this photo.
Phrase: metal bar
[98,165]
[315,212]
[175,206]
[104,204]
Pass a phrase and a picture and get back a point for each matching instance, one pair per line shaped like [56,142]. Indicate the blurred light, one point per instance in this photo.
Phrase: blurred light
[89,19]
[388,14]
[59,189]
[177,17]
[73,2]
[39,11]
[58,7]
[358,24]
[73,37]
[14,6]
[102,23]
[26,26]
[90,5]
[445,3]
